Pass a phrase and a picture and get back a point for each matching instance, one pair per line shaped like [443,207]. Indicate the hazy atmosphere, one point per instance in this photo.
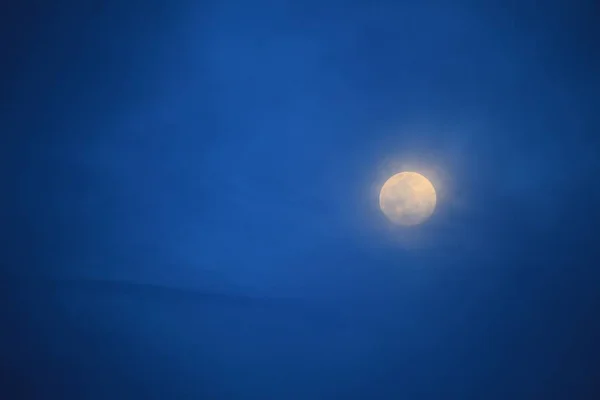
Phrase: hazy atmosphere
[190,204]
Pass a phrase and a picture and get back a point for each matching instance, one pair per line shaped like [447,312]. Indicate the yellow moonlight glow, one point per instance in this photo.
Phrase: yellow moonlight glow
[407,198]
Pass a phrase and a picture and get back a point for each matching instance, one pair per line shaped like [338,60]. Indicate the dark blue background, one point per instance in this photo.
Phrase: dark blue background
[189,205]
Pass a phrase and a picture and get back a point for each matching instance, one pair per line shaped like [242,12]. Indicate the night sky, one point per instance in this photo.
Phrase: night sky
[189,204]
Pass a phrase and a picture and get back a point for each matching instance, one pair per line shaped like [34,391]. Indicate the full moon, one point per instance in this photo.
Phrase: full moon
[407,198]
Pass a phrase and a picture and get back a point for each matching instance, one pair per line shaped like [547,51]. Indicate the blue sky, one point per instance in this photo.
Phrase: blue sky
[193,208]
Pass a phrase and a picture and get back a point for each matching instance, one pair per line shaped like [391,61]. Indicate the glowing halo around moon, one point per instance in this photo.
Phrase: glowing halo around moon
[407,198]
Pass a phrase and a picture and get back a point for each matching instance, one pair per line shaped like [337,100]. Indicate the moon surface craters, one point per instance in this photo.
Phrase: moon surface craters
[407,198]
